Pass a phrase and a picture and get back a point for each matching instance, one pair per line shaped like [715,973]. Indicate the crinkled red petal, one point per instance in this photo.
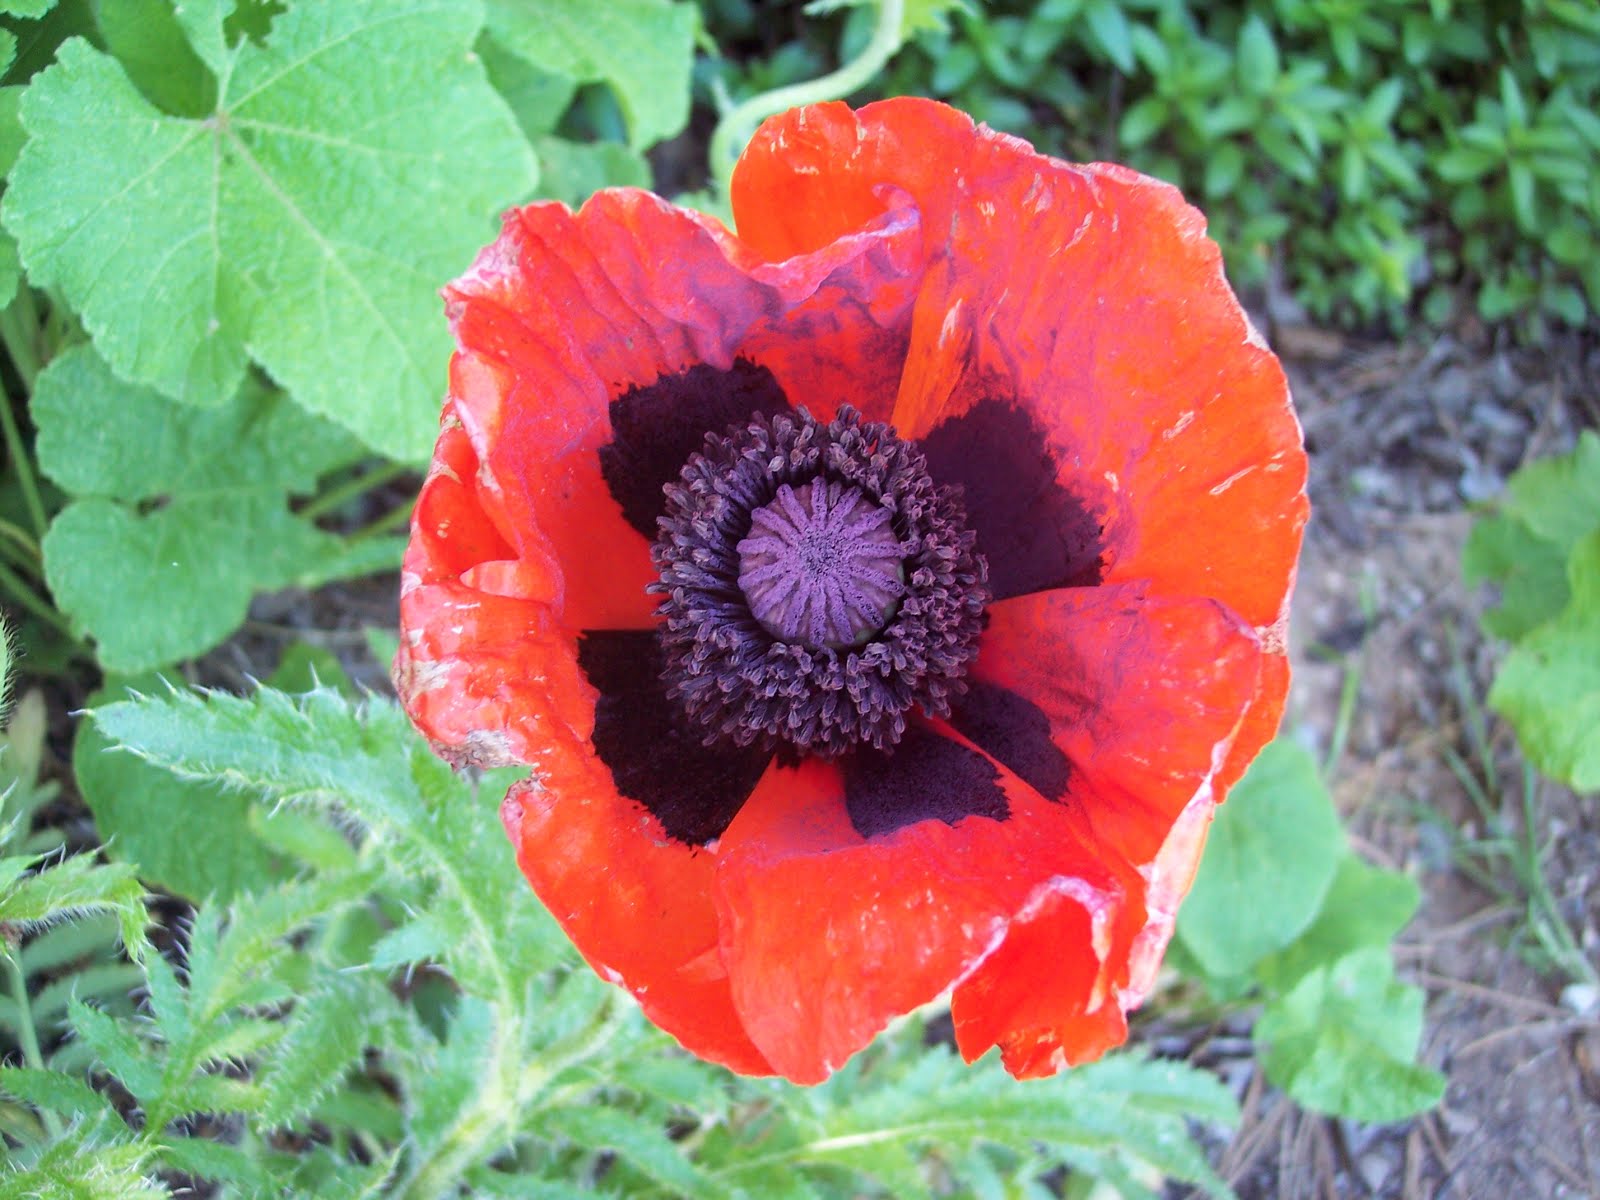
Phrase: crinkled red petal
[828,936]
[1088,294]
[1092,296]
[636,903]
[566,311]
[1144,694]
[813,175]
[483,668]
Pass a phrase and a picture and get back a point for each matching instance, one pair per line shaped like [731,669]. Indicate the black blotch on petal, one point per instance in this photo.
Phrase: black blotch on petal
[1014,731]
[1035,534]
[656,428]
[654,755]
[926,777]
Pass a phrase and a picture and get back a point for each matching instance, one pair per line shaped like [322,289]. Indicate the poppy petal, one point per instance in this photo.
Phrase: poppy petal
[813,175]
[828,935]
[1068,286]
[1144,696]
[636,903]
[1051,289]
[566,315]
[482,668]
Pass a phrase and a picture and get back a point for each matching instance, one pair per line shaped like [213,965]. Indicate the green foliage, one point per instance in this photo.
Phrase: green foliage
[200,495]
[1549,686]
[266,228]
[1277,836]
[1541,547]
[1288,914]
[1342,1041]
[1384,159]
[642,48]
[311,1002]
[136,807]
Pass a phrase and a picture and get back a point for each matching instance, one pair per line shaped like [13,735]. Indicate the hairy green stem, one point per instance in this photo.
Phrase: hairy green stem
[27,1034]
[337,495]
[736,126]
[492,1119]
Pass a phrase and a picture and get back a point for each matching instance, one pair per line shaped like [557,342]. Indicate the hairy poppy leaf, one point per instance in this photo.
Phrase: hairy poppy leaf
[137,806]
[1365,906]
[1549,687]
[642,48]
[1344,1040]
[179,514]
[1277,837]
[354,160]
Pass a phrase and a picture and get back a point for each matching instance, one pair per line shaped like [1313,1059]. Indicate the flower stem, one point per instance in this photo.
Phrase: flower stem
[17,453]
[740,122]
[19,591]
[27,1035]
[23,549]
[354,486]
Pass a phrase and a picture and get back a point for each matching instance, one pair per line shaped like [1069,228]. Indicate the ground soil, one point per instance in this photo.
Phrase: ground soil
[1404,441]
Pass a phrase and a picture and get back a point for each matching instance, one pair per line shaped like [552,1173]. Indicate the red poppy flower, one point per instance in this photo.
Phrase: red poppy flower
[882,596]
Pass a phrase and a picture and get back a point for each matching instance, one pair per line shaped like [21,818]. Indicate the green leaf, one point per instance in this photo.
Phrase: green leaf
[27,9]
[78,887]
[117,1049]
[642,49]
[78,1167]
[1529,570]
[100,436]
[352,165]
[1344,1039]
[1269,860]
[1549,686]
[572,172]
[1365,906]
[1258,55]
[538,99]
[150,44]
[368,760]
[12,135]
[136,807]
[1108,25]
[642,1144]
[1142,121]
[326,1034]
[57,1092]
[170,578]
[1559,498]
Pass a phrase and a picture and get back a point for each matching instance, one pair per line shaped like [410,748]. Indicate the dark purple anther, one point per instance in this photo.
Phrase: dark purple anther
[821,566]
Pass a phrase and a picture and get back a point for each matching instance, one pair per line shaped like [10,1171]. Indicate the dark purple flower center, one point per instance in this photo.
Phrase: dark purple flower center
[822,565]
[816,586]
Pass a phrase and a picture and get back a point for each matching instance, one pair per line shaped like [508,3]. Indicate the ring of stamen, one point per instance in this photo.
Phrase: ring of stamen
[816,586]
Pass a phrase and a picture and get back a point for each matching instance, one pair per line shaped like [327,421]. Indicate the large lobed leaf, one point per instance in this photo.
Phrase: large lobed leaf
[180,515]
[352,164]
